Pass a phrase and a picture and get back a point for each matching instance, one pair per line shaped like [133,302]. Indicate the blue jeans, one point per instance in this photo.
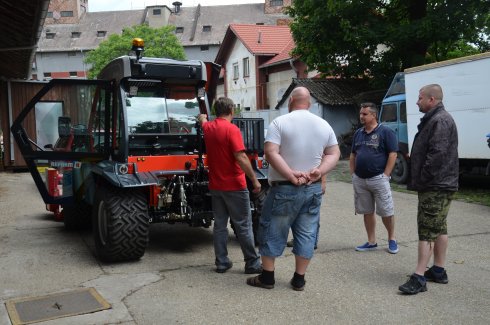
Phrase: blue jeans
[234,205]
[295,207]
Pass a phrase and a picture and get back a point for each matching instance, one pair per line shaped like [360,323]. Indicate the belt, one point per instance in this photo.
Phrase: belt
[279,183]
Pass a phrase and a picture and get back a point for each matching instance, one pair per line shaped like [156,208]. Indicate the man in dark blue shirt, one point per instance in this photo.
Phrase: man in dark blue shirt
[373,156]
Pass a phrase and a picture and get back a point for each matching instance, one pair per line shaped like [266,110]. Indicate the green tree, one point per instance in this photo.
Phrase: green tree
[159,42]
[376,38]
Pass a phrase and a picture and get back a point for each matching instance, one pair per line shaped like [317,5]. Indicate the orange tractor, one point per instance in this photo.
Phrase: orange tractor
[124,151]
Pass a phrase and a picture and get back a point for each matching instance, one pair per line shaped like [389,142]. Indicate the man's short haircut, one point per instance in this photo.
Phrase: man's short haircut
[372,107]
[433,90]
[223,106]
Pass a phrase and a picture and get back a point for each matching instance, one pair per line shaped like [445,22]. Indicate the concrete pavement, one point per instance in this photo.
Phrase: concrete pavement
[174,283]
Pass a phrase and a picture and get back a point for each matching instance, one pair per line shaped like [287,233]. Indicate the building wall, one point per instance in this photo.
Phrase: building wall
[56,7]
[277,86]
[156,20]
[196,53]
[275,9]
[66,63]
[242,90]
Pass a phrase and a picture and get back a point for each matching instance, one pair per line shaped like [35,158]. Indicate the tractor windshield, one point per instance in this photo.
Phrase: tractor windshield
[161,115]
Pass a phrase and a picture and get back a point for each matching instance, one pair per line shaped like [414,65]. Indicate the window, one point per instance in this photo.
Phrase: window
[403,112]
[389,113]
[206,28]
[275,3]
[101,33]
[47,75]
[157,12]
[204,48]
[179,30]
[75,34]
[67,14]
[73,74]
[49,14]
[246,67]
[236,73]
[50,35]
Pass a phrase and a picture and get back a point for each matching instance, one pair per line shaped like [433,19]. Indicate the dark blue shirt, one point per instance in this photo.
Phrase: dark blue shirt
[372,149]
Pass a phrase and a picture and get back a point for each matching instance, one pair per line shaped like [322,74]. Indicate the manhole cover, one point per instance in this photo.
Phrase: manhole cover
[37,309]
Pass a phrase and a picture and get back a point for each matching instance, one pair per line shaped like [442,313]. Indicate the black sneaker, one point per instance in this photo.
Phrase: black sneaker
[297,285]
[413,286]
[430,275]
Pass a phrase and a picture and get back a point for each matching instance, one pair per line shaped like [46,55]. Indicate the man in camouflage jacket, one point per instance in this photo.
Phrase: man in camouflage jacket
[434,175]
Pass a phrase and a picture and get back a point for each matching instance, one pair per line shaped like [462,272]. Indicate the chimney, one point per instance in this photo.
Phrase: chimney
[177,5]
[259,39]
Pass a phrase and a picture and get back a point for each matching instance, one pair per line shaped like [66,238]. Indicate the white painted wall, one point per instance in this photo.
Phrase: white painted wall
[60,62]
[277,86]
[241,90]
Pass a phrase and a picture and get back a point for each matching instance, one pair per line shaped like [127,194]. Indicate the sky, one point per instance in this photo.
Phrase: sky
[113,5]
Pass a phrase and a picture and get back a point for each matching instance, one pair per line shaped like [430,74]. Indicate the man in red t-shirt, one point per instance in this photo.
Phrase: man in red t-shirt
[228,164]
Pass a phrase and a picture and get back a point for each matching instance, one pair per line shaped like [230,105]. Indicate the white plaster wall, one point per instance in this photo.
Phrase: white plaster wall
[277,86]
[60,62]
[241,90]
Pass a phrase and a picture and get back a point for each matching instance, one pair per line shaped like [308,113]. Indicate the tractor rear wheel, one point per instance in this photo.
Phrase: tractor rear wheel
[120,224]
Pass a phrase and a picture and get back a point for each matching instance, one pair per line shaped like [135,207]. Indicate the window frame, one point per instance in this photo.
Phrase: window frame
[236,71]
[246,67]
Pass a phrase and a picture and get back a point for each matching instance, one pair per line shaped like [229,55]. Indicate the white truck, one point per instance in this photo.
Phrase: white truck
[466,86]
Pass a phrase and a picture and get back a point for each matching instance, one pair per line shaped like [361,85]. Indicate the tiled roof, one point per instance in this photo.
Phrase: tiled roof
[284,55]
[263,39]
[333,92]
[113,22]
[218,17]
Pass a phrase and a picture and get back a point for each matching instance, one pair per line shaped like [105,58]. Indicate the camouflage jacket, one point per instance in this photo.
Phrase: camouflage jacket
[434,157]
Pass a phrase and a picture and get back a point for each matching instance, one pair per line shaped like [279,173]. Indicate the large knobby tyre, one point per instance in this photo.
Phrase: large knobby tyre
[76,216]
[257,201]
[400,171]
[120,224]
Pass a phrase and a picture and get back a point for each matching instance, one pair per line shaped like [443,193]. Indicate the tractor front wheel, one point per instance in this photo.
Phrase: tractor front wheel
[120,224]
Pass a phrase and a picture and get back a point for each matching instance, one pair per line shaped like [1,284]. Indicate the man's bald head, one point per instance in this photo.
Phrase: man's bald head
[300,99]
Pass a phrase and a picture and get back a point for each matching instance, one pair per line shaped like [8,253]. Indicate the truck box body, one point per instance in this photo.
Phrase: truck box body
[465,84]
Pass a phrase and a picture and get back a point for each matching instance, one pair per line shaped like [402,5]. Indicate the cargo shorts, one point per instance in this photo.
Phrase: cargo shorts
[372,194]
[432,213]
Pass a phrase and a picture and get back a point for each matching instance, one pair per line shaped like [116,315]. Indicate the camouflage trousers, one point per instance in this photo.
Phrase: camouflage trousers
[432,214]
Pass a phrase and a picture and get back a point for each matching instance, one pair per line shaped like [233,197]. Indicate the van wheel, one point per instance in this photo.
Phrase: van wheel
[400,171]
[120,224]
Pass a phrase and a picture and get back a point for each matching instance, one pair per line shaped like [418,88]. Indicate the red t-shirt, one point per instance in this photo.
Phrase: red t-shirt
[222,140]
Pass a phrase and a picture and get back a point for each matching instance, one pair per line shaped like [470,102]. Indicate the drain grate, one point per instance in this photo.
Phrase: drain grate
[37,309]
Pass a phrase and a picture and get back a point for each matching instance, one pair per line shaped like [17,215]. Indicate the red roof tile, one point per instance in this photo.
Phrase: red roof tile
[284,55]
[263,39]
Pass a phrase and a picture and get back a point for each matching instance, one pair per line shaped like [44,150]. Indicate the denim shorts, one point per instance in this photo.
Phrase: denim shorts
[290,207]
[372,194]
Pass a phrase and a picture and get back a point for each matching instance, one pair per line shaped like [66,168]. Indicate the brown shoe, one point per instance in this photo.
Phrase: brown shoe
[255,282]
